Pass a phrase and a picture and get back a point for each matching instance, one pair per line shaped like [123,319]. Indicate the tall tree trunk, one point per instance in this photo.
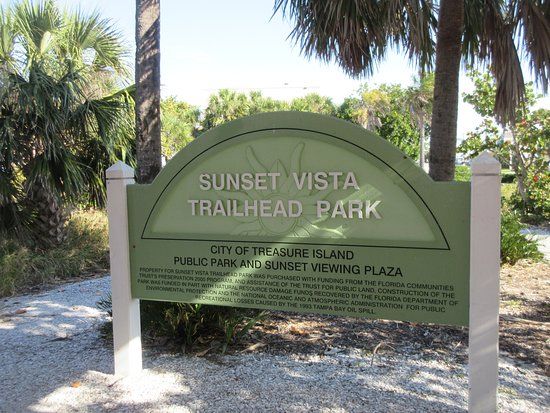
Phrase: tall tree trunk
[445,106]
[148,148]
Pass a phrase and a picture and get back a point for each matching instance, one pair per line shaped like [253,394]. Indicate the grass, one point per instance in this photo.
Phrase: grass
[86,250]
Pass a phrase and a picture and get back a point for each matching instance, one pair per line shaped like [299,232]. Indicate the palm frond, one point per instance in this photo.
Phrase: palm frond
[61,175]
[533,26]
[496,33]
[414,23]
[7,40]
[36,22]
[92,40]
[357,34]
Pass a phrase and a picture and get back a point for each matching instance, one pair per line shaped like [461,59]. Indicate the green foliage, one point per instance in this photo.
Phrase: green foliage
[486,137]
[420,94]
[539,196]
[225,106]
[537,207]
[236,325]
[356,35]
[528,146]
[228,105]
[483,97]
[507,176]
[60,123]
[393,112]
[463,173]
[186,324]
[507,191]
[262,104]
[179,125]
[513,244]
[385,111]
[86,250]
[373,105]
[315,103]
[347,109]
[532,165]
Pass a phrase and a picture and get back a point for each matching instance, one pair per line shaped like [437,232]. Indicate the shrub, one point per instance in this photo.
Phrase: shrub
[86,250]
[537,207]
[513,244]
[463,173]
[187,324]
[507,176]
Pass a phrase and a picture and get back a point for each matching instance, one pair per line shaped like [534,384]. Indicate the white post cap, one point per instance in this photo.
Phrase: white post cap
[120,171]
[485,164]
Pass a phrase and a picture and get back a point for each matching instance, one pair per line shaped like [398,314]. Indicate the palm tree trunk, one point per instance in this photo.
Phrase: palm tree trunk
[148,148]
[445,108]
[50,223]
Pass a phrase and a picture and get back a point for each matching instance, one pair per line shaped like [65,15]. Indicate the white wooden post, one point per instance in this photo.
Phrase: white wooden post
[484,284]
[126,322]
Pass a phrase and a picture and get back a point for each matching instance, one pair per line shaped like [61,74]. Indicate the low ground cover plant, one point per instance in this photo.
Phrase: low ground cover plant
[86,250]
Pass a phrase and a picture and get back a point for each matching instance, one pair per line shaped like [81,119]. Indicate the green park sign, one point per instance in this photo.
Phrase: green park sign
[302,212]
[307,213]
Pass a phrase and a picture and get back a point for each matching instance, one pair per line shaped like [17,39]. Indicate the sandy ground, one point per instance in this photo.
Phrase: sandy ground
[54,360]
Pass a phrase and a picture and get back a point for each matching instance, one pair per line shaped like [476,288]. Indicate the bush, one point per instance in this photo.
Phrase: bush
[513,244]
[85,250]
[537,207]
[185,325]
[463,173]
[507,176]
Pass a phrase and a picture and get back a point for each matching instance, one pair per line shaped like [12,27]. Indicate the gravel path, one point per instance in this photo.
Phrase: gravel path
[542,236]
[53,360]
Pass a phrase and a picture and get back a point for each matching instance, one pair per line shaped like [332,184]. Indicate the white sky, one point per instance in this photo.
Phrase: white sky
[214,44]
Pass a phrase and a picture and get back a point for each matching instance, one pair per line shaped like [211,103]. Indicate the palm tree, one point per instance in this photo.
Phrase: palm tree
[225,106]
[313,102]
[148,120]
[374,105]
[420,99]
[357,34]
[58,128]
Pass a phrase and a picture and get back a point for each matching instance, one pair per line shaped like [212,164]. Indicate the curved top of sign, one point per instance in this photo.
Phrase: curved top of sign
[295,178]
